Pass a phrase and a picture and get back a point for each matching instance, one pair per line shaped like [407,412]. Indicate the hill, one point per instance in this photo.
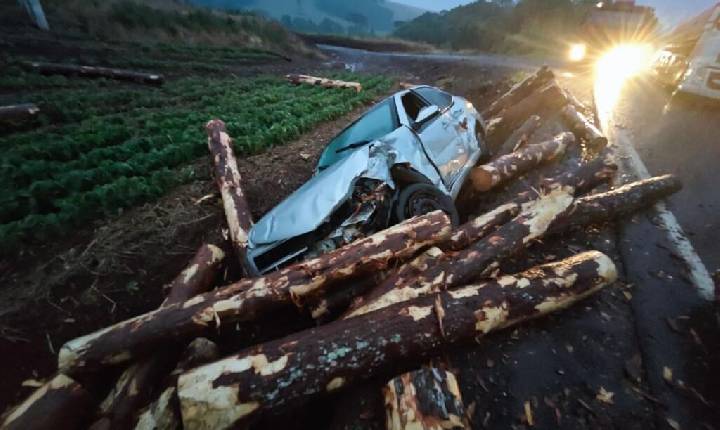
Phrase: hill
[326,16]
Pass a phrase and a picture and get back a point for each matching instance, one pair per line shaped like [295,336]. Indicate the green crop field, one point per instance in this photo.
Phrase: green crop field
[101,146]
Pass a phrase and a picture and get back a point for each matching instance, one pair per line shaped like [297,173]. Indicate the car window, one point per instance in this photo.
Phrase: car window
[376,123]
[434,96]
[413,105]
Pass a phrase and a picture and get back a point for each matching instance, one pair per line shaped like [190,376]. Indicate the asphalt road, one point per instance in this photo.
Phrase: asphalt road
[663,324]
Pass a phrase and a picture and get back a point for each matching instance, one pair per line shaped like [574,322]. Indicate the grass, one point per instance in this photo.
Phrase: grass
[102,146]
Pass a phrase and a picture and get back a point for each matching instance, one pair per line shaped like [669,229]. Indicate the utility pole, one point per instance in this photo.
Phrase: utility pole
[37,15]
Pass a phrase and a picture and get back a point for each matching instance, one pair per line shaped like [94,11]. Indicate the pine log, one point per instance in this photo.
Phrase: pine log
[61,400]
[95,72]
[479,227]
[250,299]
[617,203]
[290,371]
[490,175]
[119,409]
[583,128]
[18,112]
[164,412]
[544,102]
[426,399]
[521,136]
[520,91]
[228,180]
[447,270]
[323,82]
[327,306]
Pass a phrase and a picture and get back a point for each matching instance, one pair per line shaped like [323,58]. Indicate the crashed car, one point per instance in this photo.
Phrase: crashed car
[408,155]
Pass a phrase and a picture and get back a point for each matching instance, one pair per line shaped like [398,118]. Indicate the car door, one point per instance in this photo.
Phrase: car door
[438,134]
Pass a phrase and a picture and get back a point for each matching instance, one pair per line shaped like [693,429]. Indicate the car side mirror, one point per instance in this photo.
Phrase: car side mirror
[427,113]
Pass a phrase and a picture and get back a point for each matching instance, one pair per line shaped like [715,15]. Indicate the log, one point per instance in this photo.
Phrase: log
[94,72]
[521,136]
[164,412]
[583,128]
[322,82]
[119,409]
[617,203]
[18,112]
[61,400]
[520,91]
[447,270]
[337,300]
[585,176]
[228,180]
[426,399]
[490,175]
[480,226]
[250,299]
[288,372]
[544,102]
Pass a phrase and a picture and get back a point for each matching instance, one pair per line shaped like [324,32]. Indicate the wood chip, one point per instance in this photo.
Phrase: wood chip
[667,374]
[529,414]
[674,424]
[605,396]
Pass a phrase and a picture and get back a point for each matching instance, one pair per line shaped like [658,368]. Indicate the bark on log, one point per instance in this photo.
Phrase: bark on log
[228,180]
[323,82]
[583,128]
[164,412]
[617,203]
[545,101]
[251,298]
[426,399]
[520,91]
[447,270]
[521,136]
[490,175]
[479,227]
[337,300]
[583,177]
[95,72]
[61,400]
[290,371]
[18,112]
[119,409]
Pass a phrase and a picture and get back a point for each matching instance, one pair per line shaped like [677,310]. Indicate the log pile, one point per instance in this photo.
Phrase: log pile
[94,72]
[385,304]
[323,82]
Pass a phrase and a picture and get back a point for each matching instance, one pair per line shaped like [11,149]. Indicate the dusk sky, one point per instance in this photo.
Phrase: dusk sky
[670,12]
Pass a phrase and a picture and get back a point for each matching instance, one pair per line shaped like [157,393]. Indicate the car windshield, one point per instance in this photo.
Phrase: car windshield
[376,123]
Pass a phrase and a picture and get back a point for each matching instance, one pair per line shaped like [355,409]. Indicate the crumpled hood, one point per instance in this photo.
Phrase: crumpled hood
[314,202]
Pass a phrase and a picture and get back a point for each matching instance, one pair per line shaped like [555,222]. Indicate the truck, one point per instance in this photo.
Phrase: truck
[609,24]
[689,62]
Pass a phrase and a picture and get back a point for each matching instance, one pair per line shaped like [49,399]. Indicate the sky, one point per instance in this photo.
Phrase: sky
[670,12]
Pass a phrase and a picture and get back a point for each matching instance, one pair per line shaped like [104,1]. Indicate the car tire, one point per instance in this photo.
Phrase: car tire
[419,199]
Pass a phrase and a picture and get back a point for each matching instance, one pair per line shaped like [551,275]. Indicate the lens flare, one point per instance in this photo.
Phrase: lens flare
[578,51]
[614,69]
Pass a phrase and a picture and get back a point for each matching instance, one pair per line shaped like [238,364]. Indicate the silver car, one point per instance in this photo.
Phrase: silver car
[408,155]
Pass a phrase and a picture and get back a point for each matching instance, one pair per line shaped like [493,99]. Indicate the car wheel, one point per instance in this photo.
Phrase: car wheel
[420,199]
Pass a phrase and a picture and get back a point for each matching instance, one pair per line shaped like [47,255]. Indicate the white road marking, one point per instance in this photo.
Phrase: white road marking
[629,159]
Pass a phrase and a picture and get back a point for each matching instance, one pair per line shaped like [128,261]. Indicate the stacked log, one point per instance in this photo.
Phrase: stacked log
[521,136]
[500,170]
[18,112]
[520,91]
[228,180]
[303,366]
[95,72]
[323,82]
[583,128]
[426,399]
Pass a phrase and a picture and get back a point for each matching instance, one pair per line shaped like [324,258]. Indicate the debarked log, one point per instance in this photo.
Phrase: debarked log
[290,371]
[500,170]
[229,182]
[94,72]
[61,400]
[249,299]
[120,407]
[323,82]
[583,128]
[426,399]
[520,91]
[18,112]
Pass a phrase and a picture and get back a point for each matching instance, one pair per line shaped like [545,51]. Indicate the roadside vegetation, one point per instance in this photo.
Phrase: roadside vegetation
[524,27]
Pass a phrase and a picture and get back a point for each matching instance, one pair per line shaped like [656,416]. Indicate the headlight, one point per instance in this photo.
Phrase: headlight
[578,51]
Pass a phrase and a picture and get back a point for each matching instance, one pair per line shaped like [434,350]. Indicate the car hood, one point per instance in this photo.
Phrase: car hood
[314,202]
